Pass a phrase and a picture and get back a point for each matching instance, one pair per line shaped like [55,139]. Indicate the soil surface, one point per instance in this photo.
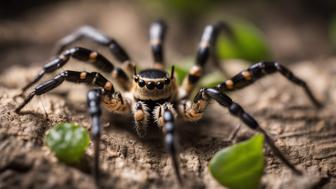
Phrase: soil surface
[306,135]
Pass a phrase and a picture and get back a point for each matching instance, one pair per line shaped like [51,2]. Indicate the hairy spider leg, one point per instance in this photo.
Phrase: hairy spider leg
[205,50]
[157,34]
[261,69]
[88,32]
[93,102]
[220,28]
[112,99]
[169,131]
[196,109]
[84,55]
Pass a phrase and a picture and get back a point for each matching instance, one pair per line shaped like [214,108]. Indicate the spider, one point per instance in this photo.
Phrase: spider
[152,95]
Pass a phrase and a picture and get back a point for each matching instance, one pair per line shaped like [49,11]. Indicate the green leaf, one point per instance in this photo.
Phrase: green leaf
[240,166]
[68,141]
[247,42]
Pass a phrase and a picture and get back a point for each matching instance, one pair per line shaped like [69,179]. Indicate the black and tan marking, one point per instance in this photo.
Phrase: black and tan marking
[203,53]
[85,55]
[93,78]
[159,112]
[141,114]
[259,70]
[154,84]
[100,38]
[205,95]
[157,33]
[170,139]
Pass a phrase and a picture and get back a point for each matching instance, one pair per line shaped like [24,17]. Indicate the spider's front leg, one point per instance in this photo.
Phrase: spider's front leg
[114,102]
[206,50]
[165,115]
[93,101]
[194,110]
[259,70]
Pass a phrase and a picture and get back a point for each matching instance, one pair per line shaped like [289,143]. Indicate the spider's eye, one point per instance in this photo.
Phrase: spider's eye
[136,78]
[159,85]
[141,83]
[150,85]
[167,81]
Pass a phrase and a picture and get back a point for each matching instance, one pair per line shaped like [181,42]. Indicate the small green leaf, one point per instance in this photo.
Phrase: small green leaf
[247,42]
[240,166]
[68,141]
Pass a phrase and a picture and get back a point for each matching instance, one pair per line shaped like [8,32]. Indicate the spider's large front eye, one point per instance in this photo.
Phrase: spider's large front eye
[159,85]
[150,85]
[141,83]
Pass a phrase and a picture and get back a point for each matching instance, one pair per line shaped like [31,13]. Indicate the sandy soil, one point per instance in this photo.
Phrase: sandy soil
[305,134]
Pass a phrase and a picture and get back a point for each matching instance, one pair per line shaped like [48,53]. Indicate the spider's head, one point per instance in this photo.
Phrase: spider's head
[154,84]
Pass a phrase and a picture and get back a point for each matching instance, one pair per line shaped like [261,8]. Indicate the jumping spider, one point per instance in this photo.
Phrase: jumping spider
[152,95]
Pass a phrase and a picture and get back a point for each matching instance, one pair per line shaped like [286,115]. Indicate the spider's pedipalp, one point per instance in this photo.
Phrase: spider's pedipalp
[141,117]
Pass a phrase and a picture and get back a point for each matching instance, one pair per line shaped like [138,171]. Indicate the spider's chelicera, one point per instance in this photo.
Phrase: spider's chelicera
[152,95]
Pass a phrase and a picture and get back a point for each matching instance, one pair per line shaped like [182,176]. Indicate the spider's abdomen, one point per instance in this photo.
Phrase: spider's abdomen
[154,85]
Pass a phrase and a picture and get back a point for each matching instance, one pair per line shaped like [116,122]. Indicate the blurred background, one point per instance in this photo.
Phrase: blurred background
[284,30]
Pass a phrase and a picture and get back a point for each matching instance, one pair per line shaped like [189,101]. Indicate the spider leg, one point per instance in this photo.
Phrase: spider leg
[259,70]
[141,116]
[195,109]
[100,38]
[205,51]
[94,100]
[112,99]
[157,35]
[85,55]
[165,115]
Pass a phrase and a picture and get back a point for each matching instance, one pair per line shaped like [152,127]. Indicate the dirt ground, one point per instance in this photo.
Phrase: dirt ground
[305,134]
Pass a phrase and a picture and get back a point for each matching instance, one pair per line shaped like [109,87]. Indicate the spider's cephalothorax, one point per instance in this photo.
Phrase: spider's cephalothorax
[154,85]
[152,95]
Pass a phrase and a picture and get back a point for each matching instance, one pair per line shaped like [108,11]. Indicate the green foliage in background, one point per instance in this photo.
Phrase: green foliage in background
[332,33]
[247,42]
[68,141]
[240,166]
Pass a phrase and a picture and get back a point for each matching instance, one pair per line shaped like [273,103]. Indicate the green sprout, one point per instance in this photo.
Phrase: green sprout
[240,166]
[68,141]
